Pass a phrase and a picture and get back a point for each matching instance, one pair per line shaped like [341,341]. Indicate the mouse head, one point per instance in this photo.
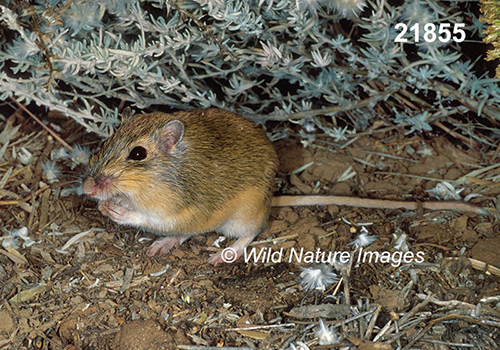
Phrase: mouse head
[135,158]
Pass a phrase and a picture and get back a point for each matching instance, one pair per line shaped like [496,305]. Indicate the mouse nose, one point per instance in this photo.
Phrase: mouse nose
[95,186]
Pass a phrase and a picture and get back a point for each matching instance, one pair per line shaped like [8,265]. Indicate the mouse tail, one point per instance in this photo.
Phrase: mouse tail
[297,201]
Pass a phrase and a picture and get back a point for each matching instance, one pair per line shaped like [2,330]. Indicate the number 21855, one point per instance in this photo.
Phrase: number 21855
[444,31]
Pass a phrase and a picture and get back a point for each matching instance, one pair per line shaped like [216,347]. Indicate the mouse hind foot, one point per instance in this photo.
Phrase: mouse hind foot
[164,245]
[232,253]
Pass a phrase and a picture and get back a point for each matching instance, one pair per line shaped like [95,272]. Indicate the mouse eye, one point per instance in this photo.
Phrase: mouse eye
[137,153]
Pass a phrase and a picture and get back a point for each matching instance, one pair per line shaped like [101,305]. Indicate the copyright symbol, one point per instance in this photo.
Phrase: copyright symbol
[229,255]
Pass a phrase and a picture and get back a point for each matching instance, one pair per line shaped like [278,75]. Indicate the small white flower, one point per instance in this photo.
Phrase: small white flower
[82,16]
[24,47]
[401,242]
[318,278]
[51,171]
[313,6]
[79,155]
[417,11]
[326,336]
[10,241]
[363,240]
[24,156]
[348,8]
[60,153]
[13,240]
[445,190]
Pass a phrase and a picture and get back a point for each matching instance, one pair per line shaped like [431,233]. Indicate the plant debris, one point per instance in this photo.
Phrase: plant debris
[87,283]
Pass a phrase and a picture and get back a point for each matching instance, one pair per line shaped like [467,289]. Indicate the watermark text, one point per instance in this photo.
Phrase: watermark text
[301,255]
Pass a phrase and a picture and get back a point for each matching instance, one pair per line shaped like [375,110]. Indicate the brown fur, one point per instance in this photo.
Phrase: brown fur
[221,171]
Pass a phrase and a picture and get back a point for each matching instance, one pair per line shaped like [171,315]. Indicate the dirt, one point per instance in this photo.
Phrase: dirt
[104,292]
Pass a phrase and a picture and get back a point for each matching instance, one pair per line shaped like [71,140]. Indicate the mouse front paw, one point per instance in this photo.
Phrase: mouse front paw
[115,211]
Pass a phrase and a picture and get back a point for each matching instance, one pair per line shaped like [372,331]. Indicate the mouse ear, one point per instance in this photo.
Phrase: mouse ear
[170,135]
